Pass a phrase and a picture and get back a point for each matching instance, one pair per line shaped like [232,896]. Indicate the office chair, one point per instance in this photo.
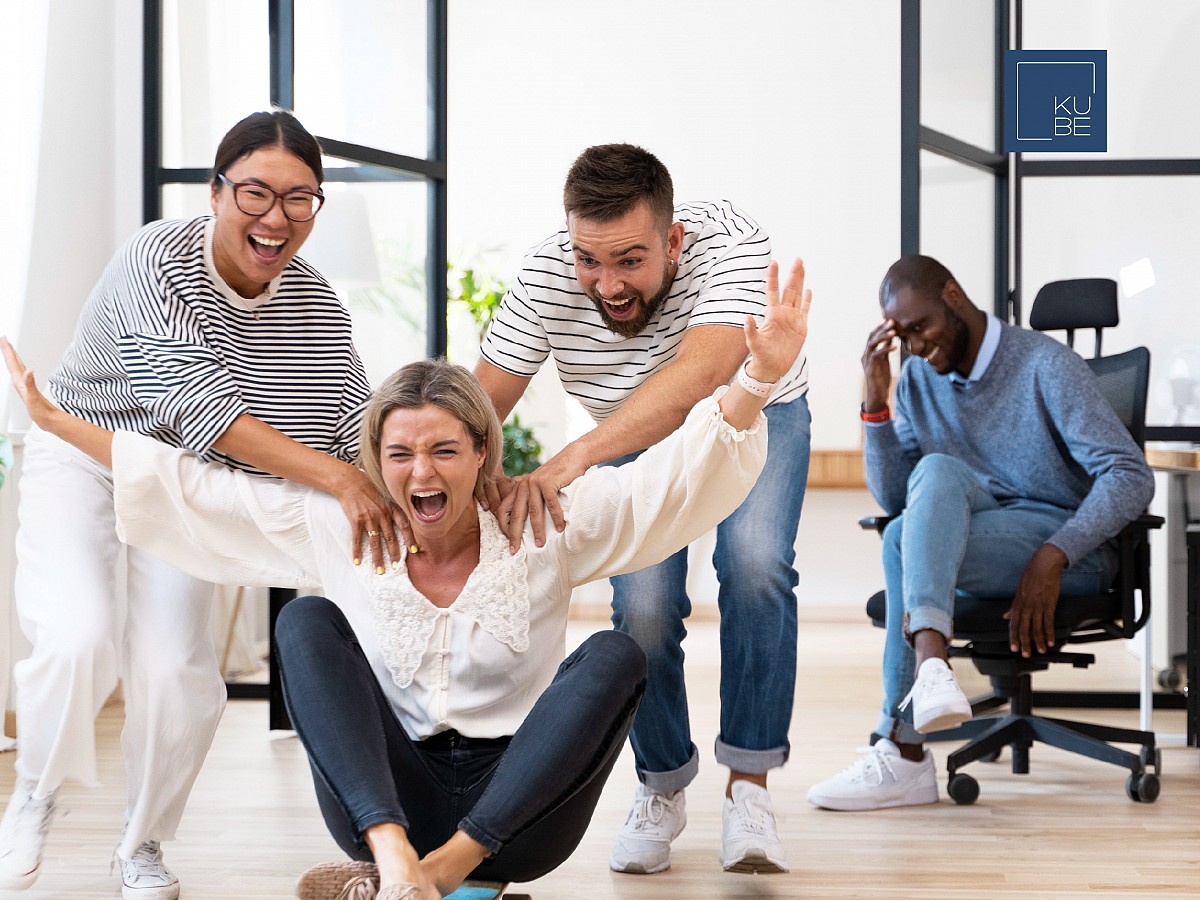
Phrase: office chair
[981,633]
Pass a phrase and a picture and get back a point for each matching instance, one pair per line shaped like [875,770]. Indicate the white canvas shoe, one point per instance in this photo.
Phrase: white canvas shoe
[881,778]
[644,845]
[749,840]
[144,876]
[23,835]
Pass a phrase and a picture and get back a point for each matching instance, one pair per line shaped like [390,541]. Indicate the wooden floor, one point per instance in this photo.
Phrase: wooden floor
[1066,830]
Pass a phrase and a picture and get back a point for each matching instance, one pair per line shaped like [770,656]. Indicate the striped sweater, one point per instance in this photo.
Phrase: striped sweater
[164,347]
[721,279]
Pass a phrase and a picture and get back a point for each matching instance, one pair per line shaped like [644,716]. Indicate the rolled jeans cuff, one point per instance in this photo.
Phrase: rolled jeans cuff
[928,617]
[479,836]
[898,731]
[674,780]
[752,762]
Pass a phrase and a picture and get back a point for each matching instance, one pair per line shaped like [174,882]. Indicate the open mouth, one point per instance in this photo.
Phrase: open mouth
[429,505]
[266,249]
[622,308]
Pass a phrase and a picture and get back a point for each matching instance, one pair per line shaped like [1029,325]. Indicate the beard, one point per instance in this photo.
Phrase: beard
[646,309]
[961,341]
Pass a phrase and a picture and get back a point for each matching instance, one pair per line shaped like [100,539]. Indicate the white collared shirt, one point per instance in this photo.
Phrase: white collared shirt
[478,665]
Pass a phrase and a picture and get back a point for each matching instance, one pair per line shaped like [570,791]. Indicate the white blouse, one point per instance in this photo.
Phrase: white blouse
[479,665]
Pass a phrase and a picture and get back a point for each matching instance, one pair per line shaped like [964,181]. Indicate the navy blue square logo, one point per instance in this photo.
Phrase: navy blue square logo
[1055,100]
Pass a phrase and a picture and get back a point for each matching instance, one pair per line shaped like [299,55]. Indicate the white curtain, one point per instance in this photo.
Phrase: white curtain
[22,78]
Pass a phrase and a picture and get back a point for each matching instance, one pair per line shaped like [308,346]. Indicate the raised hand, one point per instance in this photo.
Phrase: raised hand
[41,410]
[877,366]
[775,344]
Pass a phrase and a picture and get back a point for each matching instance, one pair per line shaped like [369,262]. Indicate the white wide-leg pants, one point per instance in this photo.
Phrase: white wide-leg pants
[86,634]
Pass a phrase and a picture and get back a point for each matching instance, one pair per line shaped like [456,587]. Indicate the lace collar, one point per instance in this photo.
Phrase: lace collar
[495,597]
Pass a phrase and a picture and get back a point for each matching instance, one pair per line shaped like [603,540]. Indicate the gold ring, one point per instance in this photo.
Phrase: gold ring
[372,534]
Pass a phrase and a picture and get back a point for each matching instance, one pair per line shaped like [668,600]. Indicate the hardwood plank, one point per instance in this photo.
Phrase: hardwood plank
[1065,830]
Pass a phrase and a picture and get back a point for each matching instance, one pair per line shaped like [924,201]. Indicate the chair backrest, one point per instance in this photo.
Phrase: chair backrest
[1124,380]
[1076,303]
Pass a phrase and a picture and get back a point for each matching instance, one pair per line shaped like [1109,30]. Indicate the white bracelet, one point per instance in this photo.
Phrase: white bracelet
[752,386]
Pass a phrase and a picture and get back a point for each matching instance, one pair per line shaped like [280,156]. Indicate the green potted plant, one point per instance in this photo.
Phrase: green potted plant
[481,295]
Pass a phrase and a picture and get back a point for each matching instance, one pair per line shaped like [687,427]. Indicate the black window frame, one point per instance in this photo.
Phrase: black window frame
[1010,170]
[372,164]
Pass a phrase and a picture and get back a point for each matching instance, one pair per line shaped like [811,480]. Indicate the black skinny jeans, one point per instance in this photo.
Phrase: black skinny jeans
[527,798]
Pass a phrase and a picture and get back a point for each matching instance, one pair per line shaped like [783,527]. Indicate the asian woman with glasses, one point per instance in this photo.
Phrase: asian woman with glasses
[211,335]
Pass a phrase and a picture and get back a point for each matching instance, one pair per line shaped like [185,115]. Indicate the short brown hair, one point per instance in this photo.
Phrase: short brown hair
[609,180]
[431,382]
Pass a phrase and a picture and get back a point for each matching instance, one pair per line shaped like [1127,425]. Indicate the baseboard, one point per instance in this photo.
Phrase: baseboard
[835,469]
[830,613]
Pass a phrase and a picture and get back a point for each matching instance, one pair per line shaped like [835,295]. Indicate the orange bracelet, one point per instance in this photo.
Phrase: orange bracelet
[875,418]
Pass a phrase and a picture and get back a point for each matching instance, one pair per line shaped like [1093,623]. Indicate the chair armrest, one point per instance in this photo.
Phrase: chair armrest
[876,523]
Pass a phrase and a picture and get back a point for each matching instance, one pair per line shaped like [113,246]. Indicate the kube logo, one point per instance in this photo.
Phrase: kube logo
[1055,100]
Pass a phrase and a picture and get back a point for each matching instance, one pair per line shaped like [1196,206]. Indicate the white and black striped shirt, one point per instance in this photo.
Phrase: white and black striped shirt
[721,279]
[164,347]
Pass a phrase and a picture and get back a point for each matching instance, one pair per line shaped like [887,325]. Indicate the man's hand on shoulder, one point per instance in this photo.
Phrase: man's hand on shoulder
[537,492]
[1031,619]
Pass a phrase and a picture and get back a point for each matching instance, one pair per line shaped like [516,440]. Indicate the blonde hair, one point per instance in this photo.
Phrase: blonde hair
[432,382]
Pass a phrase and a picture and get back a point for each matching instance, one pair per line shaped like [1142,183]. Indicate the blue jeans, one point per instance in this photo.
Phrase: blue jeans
[754,559]
[956,538]
[527,798]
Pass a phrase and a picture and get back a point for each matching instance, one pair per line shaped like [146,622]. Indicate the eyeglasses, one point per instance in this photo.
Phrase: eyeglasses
[257,200]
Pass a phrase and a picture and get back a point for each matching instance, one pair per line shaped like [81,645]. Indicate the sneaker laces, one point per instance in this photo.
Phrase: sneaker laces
[932,679]
[752,817]
[146,863]
[870,767]
[647,812]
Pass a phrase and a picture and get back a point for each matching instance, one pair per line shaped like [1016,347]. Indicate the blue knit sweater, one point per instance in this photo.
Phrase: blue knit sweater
[1035,426]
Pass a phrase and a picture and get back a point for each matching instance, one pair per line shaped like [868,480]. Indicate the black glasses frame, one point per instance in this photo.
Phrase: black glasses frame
[236,187]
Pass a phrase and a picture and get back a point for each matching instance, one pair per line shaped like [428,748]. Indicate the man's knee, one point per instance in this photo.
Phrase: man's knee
[936,467]
[655,627]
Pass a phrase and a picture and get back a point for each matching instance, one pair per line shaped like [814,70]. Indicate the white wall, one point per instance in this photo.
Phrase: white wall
[789,108]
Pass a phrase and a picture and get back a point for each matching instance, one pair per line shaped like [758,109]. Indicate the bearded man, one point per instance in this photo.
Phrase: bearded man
[1009,474]
[642,302]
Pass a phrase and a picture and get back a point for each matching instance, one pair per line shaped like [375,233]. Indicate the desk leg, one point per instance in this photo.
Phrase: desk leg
[1193,634]
[277,712]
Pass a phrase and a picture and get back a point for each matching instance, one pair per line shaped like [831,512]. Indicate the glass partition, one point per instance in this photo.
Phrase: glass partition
[1153,69]
[958,69]
[958,223]
[1143,233]
[215,71]
[376,99]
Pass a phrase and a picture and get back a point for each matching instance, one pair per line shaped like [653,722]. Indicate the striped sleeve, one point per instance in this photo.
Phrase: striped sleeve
[516,341]
[729,265]
[164,348]
[183,385]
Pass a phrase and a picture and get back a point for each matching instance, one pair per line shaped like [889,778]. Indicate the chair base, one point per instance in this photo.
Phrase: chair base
[987,737]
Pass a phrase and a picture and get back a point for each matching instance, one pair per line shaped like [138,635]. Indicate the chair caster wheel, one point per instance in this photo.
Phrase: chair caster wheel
[1170,679]
[1142,788]
[963,789]
[1152,758]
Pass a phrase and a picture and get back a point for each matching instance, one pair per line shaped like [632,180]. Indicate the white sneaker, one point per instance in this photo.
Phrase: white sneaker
[882,778]
[937,700]
[145,877]
[22,836]
[749,842]
[644,845]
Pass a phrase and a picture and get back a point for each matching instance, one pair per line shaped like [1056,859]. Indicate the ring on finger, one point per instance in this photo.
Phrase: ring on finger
[372,534]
